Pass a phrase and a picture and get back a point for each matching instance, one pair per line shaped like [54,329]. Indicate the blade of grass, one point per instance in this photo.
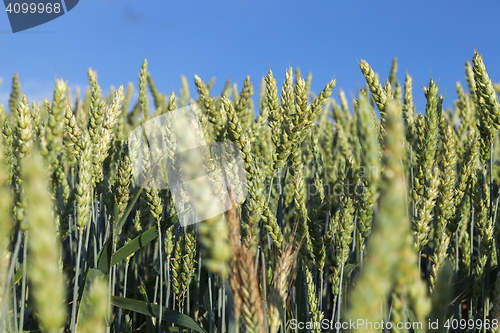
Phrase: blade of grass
[153,310]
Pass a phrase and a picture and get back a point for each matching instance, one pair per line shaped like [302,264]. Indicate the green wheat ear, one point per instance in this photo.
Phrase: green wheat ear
[426,176]
[6,224]
[378,93]
[391,234]
[143,76]
[96,307]
[44,248]
[485,92]
[15,95]
[444,203]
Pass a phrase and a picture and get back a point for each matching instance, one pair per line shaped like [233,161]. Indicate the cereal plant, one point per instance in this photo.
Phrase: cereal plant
[339,215]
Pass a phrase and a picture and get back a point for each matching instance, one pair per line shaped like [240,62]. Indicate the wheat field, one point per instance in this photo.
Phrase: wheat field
[358,214]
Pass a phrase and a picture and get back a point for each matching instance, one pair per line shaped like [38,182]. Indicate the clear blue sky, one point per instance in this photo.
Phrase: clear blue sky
[235,38]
